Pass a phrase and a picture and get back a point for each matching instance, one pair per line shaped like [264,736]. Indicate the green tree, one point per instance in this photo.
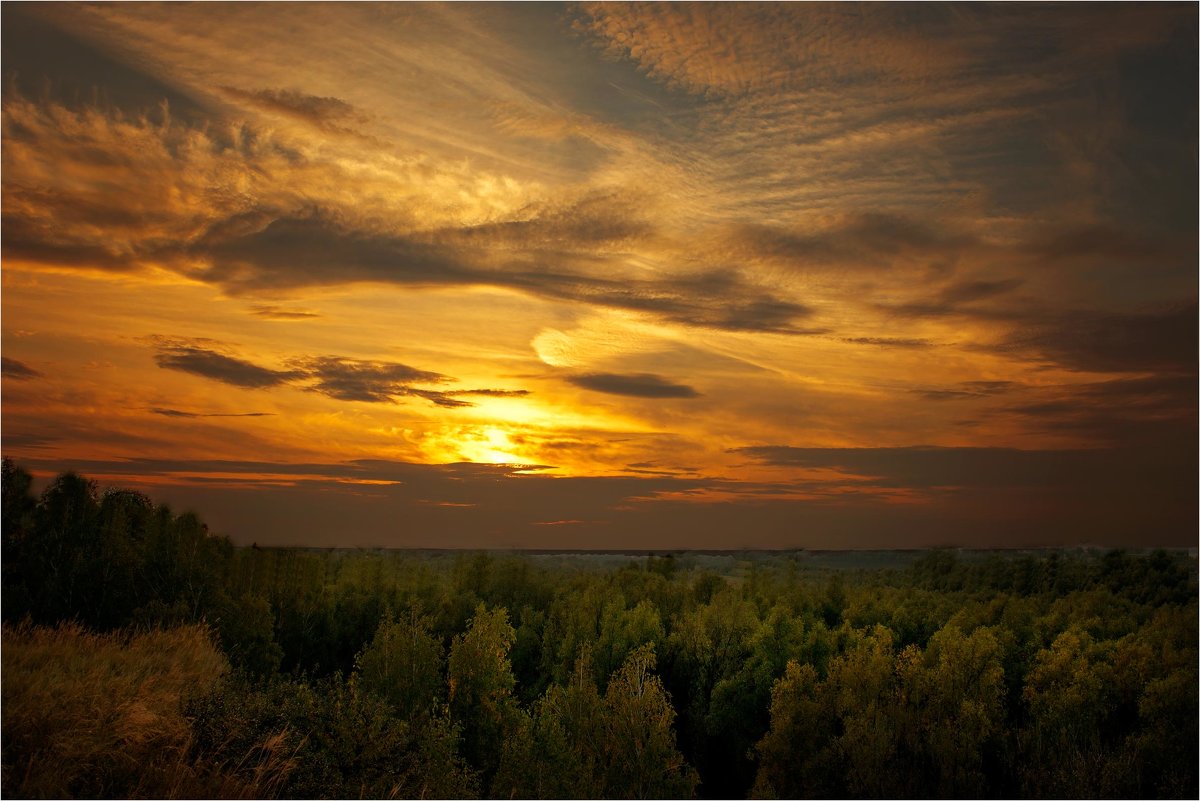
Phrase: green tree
[954,708]
[643,761]
[246,628]
[864,684]
[796,757]
[17,524]
[621,631]
[480,688]
[560,751]
[403,664]
[1068,694]
[59,554]
[344,742]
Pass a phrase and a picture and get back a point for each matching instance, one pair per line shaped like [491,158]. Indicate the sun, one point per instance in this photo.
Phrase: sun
[490,446]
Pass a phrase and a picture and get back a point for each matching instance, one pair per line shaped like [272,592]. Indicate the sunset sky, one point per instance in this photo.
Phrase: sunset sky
[610,276]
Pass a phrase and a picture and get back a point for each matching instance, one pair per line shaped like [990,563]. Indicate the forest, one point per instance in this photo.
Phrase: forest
[143,656]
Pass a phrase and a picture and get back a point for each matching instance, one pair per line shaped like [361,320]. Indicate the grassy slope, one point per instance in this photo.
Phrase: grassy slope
[94,715]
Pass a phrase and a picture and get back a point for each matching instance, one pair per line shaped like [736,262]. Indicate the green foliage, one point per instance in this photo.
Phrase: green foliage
[963,674]
[579,744]
[560,749]
[480,686]
[104,562]
[953,708]
[403,665]
[622,630]
[246,630]
[641,758]
[345,741]
[795,756]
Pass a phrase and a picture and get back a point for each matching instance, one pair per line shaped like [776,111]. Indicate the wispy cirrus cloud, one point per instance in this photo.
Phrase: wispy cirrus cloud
[327,113]
[968,390]
[889,342]
[142,198]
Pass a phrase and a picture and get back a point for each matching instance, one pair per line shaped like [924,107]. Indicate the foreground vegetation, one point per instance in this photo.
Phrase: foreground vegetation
[99,715]
[144,657]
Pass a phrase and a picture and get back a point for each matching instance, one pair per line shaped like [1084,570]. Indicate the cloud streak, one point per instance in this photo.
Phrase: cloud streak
[192,415]
[18,371]
[367,381]
[230,370]
[1081,471]
[335,377]
[638,385]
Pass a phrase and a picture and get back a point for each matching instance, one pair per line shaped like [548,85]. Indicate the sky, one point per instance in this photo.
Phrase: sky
[655,276]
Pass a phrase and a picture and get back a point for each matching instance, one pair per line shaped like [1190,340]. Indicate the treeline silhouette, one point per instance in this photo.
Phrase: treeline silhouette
[389,674]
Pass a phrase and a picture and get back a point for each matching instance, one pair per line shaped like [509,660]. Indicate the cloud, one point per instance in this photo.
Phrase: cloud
[639,385]
[597,219]
[889,342]
[443,399]
[857,240]
[335,377]
[11,368]
[22,441]
[1162,340]
[207,363]
[969,291]
[102,190]
[369,381]
[493,393]
[449,399]
[719,299]
[326,113]
[717,49]
[190,415]
[960,298]
[1087,242]
[992,469]
[42,54]
[319,249]
[968,390]
[280,313]
[1158,410]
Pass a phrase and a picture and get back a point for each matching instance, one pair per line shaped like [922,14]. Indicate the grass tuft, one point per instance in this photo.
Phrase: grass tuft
[90,715]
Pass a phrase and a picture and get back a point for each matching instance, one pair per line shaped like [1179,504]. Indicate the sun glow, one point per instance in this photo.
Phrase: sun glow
[488,445]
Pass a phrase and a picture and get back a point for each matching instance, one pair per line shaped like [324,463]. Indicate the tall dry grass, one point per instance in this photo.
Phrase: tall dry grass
[90,715]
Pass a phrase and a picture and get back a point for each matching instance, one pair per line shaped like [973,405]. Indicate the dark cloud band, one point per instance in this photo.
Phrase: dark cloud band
[639,385]
[333,376]
[11,368]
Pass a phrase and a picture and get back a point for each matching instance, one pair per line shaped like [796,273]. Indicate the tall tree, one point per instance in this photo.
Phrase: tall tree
[480,688]
[403,664]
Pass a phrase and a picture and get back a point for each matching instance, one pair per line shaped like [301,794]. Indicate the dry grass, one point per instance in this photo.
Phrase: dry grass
[100,715]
